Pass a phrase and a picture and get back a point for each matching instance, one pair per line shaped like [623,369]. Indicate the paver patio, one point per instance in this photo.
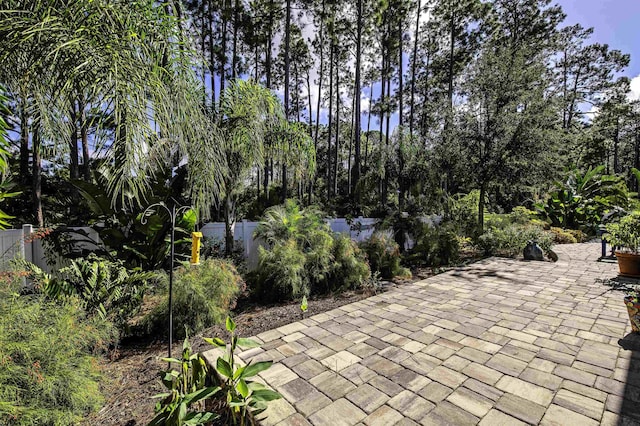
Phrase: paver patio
[499,342]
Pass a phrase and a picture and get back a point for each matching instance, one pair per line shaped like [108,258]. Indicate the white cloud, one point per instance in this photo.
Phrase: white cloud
[634,92]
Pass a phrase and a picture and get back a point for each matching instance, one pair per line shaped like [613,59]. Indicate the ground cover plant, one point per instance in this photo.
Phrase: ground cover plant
[49,352]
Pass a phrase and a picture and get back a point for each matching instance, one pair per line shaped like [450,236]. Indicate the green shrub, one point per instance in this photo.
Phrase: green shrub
[584,198]
[435,246]
[281,272]
[202,297]
[303,256]
[521,215]
[350,267]
[383,254]
[463,213]
[561,236]
[511,240]
[580,236]
[48,375]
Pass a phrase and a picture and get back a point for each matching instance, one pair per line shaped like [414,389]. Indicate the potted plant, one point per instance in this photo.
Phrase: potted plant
[625,236]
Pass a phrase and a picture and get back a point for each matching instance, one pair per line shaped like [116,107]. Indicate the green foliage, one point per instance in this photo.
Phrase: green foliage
[120,227]
[184,403]
[350,265]
[304,305]
[561,236]
[582,200]
[435,246]
[383,254]
[303,256]
[202,297]
[240,399]
[48,375]
[626,233]
[5,184]
[511,240]
[463,212]
[281,271]
[103,287]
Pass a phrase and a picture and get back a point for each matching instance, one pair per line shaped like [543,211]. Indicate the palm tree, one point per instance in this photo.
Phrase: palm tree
[249,115]
[130,58]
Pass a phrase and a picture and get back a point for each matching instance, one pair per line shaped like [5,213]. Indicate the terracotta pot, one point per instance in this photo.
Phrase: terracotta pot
[629,264]
[633,309]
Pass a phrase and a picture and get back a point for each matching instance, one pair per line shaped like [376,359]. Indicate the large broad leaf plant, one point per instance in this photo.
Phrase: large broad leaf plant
[582,199]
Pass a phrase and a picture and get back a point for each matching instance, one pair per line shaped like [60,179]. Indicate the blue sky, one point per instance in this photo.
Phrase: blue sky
[615,22]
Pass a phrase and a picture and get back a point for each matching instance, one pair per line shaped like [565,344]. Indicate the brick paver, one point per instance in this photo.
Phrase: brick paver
[499,342]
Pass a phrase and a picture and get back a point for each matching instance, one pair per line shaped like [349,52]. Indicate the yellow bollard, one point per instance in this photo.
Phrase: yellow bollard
[195,247]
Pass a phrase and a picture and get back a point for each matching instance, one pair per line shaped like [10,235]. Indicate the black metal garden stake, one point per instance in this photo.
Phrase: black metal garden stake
[173,213]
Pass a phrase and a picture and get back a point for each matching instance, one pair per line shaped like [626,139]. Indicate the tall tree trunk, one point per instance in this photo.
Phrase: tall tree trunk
[481,208]
[320,78]
[383,106]
[37,174]
[337,144]
[287,70]
[234,54]
[401,188]
[385,185]
[355,172]
[565,72]
[311,178]
[229,217]
[212,58]
[414,61]
[24,143]
[366,147]
[350,152]
[425,90]
[329,127]
[308,81]
[74,166]
[223,47]
[203,42]
[616,143]
[452,42]
[269,46]
[84,138]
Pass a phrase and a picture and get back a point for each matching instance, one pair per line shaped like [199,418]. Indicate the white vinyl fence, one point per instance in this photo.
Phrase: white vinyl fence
[18,242]
[359,230]
[21,243]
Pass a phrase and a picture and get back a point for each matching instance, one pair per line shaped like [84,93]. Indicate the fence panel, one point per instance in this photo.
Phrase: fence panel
[12,241]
